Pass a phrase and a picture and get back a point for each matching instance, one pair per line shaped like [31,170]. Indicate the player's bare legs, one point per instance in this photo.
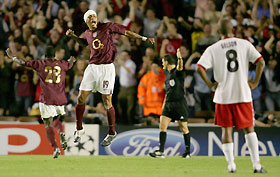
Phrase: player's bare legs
[80,109]
[107,102]
[186,133]
[51,137]
[163,125]
[228,148]
[253,146]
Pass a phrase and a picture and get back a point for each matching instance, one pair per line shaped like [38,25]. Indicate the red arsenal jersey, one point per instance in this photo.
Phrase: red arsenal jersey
[52,74]
[102,47]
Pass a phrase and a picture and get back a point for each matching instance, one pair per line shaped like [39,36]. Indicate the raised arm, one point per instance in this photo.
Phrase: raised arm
[14,58]
[180,60]
[137,36]
[81,41]
[190,59]
[268,44]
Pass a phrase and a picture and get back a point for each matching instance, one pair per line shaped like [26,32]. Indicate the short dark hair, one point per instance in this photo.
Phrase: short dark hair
[156,61]
[128,52]
[50,52]
[58,48]
[170,59]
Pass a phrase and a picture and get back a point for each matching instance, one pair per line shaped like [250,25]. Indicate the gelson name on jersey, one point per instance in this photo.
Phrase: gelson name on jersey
[228,44]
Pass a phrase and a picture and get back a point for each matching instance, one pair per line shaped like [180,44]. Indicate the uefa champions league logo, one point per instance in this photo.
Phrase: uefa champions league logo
[83,147]
[142,141]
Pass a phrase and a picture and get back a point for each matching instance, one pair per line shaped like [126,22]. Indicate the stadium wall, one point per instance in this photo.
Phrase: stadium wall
[131,141]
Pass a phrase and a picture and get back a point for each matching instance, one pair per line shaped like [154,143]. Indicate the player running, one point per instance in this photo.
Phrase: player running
[175,106]
[230,59]
[99,75]
[52,74]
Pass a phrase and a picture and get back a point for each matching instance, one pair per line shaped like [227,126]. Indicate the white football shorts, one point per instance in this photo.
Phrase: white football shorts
[99,78]
[48,111]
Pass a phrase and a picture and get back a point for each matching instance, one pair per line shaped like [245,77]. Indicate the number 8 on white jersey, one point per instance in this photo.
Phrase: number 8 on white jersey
[230,59]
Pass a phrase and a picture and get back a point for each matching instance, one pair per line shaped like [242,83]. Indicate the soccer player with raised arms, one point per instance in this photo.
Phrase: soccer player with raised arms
[52,72]
[175,107]
[99,75]
[230,59]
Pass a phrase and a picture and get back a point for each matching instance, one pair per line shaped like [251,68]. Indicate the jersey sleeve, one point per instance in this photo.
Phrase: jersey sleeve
[85,35]
[206,59]
[253,55]
[67,65]
[116,28]
[37,65]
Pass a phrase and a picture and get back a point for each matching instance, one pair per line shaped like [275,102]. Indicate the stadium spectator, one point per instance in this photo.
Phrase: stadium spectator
[151,94]
[256,93]
[202,94]
[151,23]
[272,86]
[25,88]
[207,40]
[78,25]
[127,94]
[212,16]
[168,37]
[147,59]
[6,76]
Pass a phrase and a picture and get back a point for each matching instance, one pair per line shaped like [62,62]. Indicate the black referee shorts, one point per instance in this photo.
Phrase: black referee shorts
[177,110]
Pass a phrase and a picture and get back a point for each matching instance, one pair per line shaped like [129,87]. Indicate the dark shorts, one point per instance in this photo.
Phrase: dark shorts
[177,110]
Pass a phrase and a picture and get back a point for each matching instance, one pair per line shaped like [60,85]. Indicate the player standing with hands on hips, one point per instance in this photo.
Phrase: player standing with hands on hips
[99,75]
[175,106]
[230,59]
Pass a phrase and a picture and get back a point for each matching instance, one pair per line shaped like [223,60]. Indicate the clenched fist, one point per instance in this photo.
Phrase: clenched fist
[70,33]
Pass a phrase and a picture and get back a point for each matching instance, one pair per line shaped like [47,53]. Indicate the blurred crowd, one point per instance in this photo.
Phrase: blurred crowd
[29,26]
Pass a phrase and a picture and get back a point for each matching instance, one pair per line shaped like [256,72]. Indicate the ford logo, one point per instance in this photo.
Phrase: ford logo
[142,141]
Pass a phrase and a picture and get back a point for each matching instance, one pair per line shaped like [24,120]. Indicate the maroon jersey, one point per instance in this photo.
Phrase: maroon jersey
[52,74]
[102,47]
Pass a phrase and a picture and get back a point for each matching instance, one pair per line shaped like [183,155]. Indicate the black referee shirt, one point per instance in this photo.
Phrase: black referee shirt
[174,85]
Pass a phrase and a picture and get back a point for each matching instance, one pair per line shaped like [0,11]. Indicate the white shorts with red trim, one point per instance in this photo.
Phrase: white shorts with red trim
[99,78]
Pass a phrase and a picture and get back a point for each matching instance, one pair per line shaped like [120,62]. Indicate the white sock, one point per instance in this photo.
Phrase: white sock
[228,152]
[253,146]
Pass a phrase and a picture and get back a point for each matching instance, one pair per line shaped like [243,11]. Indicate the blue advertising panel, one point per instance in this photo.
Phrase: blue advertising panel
[205,141]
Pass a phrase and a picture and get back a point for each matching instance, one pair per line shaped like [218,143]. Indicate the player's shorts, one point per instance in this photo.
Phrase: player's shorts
[240,115]
[99,78]
[48,111]
[177,110]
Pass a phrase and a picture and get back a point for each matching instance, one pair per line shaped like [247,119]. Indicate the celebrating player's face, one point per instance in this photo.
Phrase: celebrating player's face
[92,22]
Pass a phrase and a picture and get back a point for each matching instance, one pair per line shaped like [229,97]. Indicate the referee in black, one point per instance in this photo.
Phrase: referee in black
[175,106]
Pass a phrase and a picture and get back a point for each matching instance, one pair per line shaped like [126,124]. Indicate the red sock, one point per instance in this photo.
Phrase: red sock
[80,109]
[111,121]
[58,125]
[50,136]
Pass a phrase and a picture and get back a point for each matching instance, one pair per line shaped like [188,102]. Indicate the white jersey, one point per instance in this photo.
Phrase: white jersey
[230,59]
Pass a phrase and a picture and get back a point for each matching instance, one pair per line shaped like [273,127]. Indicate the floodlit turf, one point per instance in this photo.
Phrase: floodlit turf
[120,166]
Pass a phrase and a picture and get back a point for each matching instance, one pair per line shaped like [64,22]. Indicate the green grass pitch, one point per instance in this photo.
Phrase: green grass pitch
[120,166]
